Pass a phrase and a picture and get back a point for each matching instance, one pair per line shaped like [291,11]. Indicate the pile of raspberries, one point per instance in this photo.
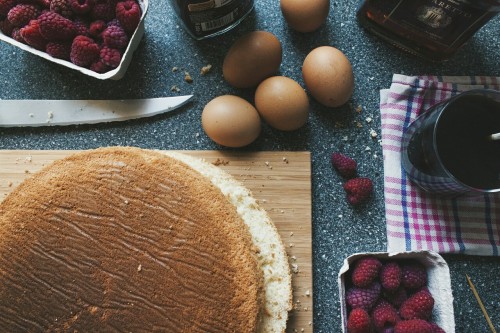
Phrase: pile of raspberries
[358,189]
[389,296]
[89,33]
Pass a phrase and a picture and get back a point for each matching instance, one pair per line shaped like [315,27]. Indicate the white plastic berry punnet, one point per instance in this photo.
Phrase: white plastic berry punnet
[439,284]
[115,74]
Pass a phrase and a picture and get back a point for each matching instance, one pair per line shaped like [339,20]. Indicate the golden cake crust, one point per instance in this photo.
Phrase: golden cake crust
[125,238]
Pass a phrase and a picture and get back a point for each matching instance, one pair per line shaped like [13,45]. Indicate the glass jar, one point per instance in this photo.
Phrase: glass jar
[208,18]
[433,29]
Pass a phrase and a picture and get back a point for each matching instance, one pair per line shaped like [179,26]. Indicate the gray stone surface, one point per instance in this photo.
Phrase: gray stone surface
[339,229]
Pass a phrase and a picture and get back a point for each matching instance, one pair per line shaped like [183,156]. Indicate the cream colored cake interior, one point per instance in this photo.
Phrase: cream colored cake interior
[272,257]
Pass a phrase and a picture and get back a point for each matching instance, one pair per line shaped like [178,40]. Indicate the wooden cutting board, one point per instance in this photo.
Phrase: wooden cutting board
[281,181]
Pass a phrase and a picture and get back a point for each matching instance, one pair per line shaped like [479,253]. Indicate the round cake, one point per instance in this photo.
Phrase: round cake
[126,239]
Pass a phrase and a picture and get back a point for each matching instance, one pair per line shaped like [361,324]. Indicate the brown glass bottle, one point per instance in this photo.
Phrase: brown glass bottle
[433,29]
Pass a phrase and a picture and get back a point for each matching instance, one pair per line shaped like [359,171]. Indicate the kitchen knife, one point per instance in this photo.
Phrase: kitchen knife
[31,113]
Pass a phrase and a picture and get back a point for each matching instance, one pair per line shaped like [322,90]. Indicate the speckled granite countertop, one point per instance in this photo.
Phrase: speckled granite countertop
[339,229]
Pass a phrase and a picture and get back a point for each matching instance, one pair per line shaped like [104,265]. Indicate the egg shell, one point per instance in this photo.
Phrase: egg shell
[305,15]
[231,121]
[328,76]
[282,103]
[251,59]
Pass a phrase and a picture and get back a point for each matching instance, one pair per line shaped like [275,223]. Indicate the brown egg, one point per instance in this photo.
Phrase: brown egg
[251,59]
[305,15]
[282,103]
[231,121]
[328,76]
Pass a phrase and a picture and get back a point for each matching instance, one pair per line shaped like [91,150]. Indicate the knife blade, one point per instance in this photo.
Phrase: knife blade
[44,112]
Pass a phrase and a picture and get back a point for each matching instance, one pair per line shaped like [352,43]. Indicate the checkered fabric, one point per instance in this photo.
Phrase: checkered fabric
[417,220]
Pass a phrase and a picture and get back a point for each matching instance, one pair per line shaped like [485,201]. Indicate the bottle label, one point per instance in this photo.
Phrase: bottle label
[443,21]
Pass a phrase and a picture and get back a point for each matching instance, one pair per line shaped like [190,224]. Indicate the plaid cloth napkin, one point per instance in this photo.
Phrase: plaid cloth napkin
[418,220]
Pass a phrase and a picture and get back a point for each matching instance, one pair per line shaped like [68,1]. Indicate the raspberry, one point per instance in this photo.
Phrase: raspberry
[58,50]
[413,326]
[129,14]
[436,328]
[84,51]
[359,322]
[365,271]
[384,316]
[6,5]
[115,37]
[114,22]
[364,298]
[417,306]
[61,7]
[110,57]
[413,275]
[102,11]
[32,36]
[55,27]
[358,189]
[81,27]
[21,14]
[99,67]
[397,297]
[16,35]
[96,28]
[81,6]
[344,165]
[6,27]
[390,276]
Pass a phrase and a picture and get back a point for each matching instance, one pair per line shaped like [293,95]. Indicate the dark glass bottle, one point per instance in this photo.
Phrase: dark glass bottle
[433,29]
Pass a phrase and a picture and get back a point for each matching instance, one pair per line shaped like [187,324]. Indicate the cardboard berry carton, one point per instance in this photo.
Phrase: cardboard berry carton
[438,284]
[115,73]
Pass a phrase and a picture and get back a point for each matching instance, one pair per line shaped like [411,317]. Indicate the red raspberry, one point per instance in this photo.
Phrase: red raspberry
[58,50]
[81,6]
[413,326]
[81,27]
[129,14]
[110,56]
[390,276]
[6,27]
[365,271]
[84,51]
[32,36]
[21,14]
[16,35]
[384,316]
[358,189]
[61,7]
[364,298]
[102,11]
[344,165]
[99,67]
[436,328]
[413,275]
[96,28]
[115,37]
[359,322]
[114,22]
[6,5]
[397,297]
[55,27]
[417,306]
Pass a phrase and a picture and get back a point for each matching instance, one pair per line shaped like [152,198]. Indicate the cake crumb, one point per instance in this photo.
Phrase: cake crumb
[175,89]
[359,109]
[139,268]
[285,160]
[29,158]
[10,184]
[205,69]
[295,269]
[373,133]
[219,161]
[187,77]
[175,69]
[308,293]
[26,171]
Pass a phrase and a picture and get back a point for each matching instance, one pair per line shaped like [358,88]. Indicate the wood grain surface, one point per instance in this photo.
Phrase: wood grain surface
[281,181]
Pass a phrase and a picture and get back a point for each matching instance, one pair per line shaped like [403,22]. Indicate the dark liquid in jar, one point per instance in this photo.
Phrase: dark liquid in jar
[463,144]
